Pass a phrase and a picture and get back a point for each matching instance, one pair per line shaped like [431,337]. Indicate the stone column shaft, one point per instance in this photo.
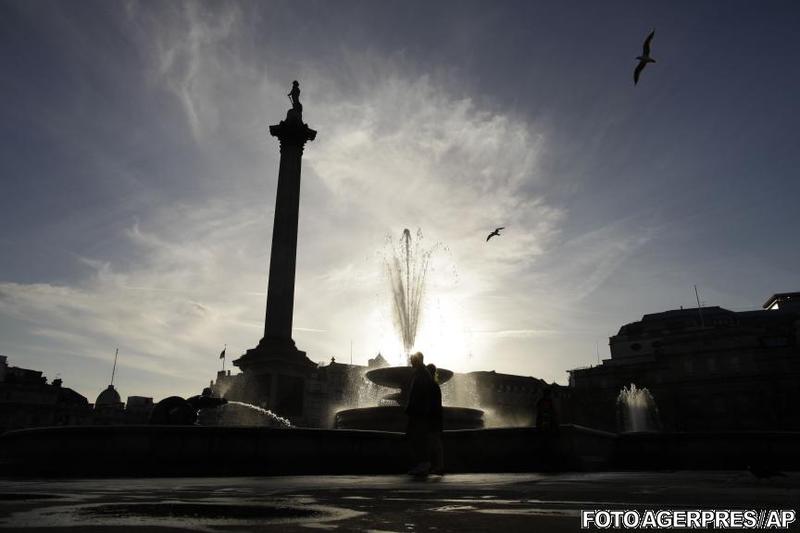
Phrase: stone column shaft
[293,135]
[283,257]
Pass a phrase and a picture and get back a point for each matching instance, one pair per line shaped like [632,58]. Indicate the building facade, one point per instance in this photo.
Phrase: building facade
[707,369]
[27,400]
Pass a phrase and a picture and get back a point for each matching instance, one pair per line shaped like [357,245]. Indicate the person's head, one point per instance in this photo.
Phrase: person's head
[416,360]
[432,371]
[295,83]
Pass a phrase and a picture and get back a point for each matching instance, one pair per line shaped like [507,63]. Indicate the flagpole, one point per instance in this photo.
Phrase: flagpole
[114,370]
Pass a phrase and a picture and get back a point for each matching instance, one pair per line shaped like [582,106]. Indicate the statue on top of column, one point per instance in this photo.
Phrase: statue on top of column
[294,97]
[293,127]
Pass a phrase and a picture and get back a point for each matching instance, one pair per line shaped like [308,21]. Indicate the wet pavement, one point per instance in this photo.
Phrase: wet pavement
[459,502]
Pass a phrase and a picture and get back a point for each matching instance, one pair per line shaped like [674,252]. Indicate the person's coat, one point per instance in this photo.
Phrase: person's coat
[420,400]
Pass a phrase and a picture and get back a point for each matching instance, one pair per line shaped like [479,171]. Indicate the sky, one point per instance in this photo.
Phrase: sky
[138,177]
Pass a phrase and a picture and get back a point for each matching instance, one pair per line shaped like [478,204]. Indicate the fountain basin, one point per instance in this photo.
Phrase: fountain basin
[393,418]
[399,377]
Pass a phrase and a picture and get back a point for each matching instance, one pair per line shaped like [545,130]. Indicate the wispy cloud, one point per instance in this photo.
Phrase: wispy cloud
[192,44]
[396,148]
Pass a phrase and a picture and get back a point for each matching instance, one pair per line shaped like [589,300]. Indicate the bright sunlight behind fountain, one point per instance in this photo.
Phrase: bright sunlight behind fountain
[407,266]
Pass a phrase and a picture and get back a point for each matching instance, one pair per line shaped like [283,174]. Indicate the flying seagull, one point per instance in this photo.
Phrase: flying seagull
[495,232]
[644,59]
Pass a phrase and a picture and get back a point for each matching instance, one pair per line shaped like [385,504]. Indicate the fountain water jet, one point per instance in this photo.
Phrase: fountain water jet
[236,413]
[407,268]
[636,410]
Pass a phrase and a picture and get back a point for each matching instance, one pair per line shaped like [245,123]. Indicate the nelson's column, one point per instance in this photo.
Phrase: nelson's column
[274,372]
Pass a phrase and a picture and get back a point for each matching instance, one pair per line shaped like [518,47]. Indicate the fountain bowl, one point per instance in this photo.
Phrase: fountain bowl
[392,417]
[399,377]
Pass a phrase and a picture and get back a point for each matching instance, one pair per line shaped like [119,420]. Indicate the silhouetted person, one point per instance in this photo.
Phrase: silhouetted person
[175,411]
[435,449]
[546,419]
[547,424]
[294,96]
[418,409]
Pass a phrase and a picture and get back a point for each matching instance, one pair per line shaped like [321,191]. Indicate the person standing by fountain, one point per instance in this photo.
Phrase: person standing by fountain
[435,449]
[418,410]
[546,419]
[547,425]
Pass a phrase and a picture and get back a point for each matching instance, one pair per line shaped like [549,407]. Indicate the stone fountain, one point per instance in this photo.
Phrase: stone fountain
[406,268]
[390,415]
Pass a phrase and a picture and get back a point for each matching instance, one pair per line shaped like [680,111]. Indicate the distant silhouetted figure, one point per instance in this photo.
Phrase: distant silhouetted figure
[764,472]
[547,424]
[418,409]
[435,449]
[546,418]
[294,96]
[644,59]
[495,233]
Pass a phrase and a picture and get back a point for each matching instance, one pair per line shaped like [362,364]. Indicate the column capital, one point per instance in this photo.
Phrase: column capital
[293,130]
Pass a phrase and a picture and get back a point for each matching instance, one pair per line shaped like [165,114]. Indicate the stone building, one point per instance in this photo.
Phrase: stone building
[138,409]
[109,409]
[707,369]
[27,400]
[507,399]
[333,387]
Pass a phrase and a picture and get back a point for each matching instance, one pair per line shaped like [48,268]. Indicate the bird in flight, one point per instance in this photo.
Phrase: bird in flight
[496,232]
[644,59]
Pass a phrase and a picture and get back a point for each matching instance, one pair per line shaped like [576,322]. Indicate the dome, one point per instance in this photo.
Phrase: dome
[110,396]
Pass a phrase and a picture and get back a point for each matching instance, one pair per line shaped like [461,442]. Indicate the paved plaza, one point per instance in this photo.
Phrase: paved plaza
[459,502]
